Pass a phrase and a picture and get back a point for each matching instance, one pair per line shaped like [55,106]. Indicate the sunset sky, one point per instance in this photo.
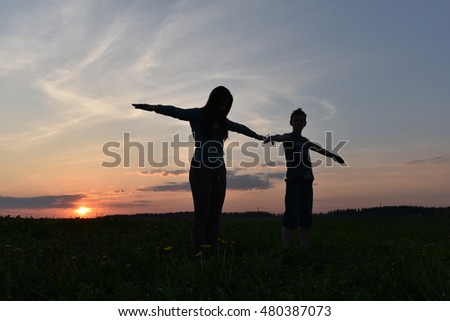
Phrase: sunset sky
[374,73]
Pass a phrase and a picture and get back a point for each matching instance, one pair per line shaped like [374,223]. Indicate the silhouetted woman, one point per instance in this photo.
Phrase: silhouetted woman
[207,175]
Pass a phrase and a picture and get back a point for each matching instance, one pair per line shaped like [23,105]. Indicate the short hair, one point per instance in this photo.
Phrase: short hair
[298,111]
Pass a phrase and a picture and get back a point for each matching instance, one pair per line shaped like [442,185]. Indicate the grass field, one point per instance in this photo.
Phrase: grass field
[132,258]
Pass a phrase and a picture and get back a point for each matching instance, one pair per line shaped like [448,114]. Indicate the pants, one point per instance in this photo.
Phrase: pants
[208,187]
[298,203]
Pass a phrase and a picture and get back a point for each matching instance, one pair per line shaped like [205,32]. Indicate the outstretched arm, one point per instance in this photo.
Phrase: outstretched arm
[146,107]
[327,153]
[242,129]
[176,112]
[277,138]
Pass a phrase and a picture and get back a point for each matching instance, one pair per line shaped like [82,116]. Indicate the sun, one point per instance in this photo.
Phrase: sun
[83,211]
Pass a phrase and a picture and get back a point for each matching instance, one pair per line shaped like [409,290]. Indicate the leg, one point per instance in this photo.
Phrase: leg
[218,190]
[286,236]
[304,237]
[305,213]
[290,213]
[201,193]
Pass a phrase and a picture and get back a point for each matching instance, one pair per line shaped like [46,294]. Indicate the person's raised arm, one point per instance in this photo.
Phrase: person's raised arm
[326,153]
[172,111]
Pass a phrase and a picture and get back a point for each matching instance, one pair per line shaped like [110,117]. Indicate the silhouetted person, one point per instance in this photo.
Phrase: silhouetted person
[207,175]
[299,178]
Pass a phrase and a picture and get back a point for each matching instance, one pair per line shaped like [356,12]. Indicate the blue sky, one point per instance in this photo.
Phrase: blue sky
[375,73]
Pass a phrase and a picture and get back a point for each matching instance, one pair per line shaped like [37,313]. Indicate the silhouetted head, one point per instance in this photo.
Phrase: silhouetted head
[219,101]
[298,120]
[215,113]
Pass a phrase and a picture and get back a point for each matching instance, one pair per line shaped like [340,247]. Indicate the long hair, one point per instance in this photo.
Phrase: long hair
[219,96]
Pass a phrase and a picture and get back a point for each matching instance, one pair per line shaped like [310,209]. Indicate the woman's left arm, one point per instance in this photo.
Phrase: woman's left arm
[242,129]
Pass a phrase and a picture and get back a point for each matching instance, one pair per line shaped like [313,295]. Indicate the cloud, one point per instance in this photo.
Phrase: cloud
[330,109]
[246,182]
[168,187]
[164,172]
[40,202]
[276,175]
[258,181]
[132,204]
[428,161]
[319,108]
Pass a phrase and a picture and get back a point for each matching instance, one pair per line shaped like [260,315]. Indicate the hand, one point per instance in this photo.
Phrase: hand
[339,159]
[260,137]
[267,139]
[146,107]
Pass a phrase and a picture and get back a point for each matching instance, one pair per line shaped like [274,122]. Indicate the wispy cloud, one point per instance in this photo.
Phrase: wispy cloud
[47,43]
[128,205]
[429,161]
[331,109]
[163,172]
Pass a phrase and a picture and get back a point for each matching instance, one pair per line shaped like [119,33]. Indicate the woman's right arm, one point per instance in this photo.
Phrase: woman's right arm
[146,107]
[172,111]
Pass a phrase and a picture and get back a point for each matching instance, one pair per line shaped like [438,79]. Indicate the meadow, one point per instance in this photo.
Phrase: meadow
[148,258]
